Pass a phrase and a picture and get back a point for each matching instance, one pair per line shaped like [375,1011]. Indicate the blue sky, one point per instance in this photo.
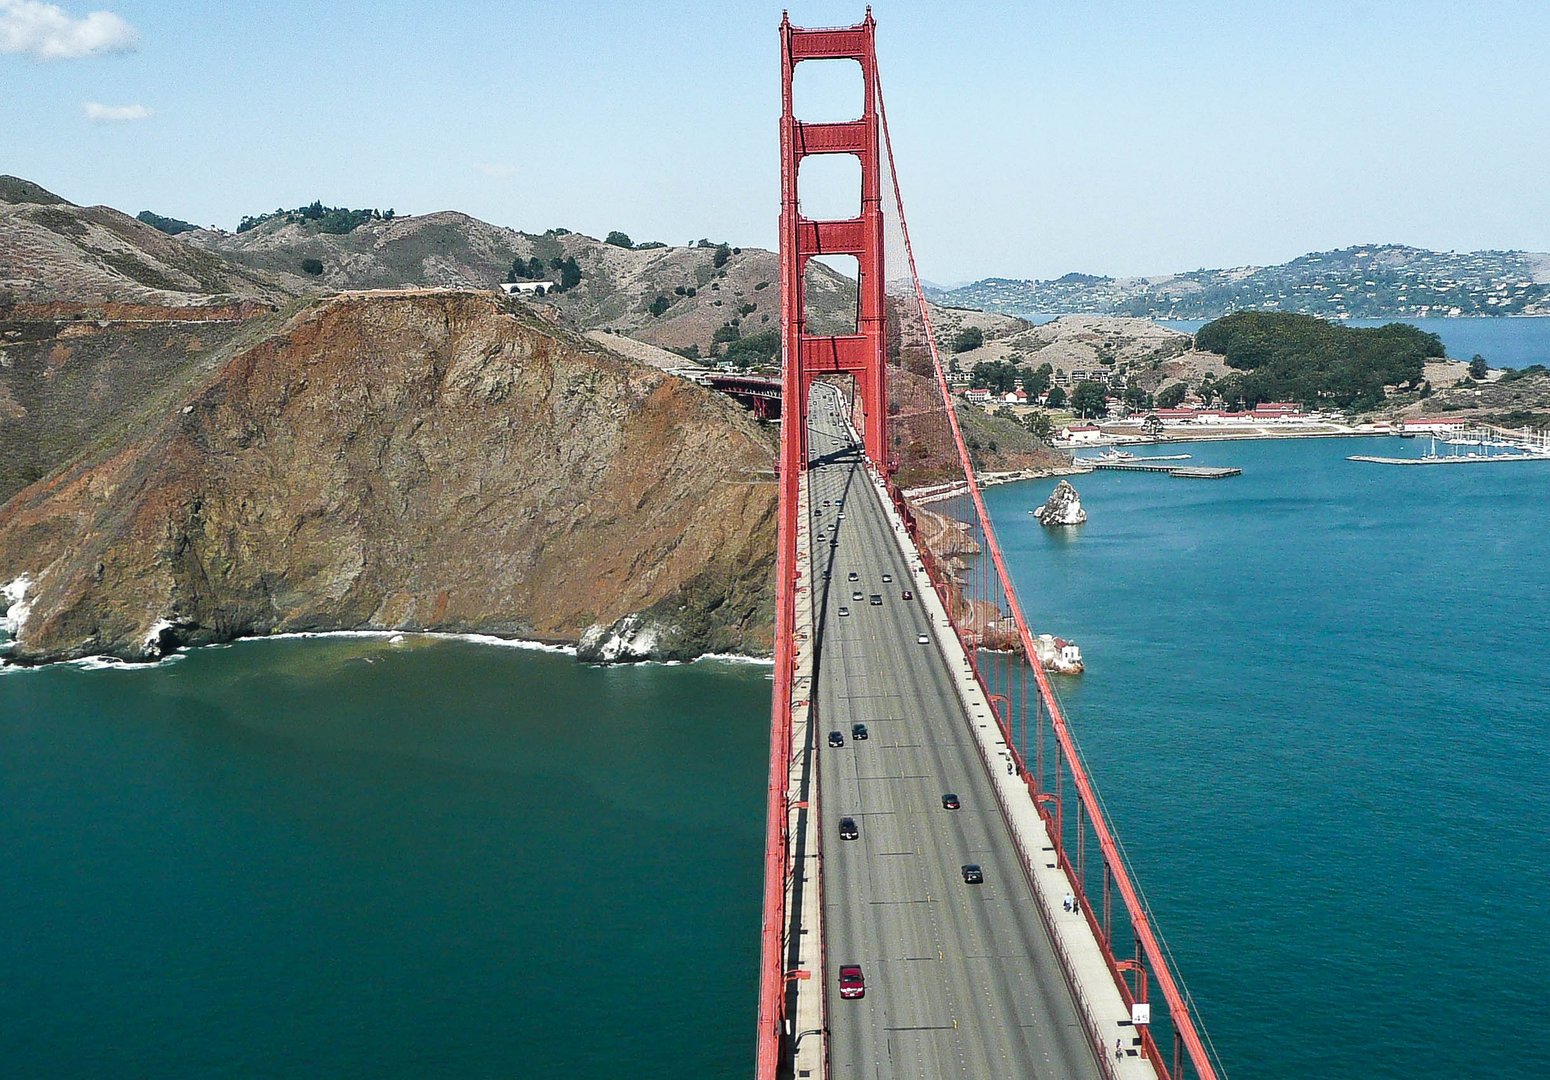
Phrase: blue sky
[1033,138]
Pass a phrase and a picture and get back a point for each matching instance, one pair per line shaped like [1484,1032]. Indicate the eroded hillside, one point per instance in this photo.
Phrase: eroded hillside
[429,459]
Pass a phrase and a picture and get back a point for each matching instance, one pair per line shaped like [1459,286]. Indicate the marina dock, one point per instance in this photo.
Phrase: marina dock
[1449,459]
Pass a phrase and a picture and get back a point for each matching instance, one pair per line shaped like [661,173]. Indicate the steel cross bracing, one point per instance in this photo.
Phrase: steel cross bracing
[792,868]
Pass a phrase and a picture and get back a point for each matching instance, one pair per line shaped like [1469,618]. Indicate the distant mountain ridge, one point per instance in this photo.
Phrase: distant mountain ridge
[53,251]
[1366,281]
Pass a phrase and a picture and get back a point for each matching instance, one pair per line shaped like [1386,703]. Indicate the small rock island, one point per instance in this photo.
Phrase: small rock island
[1063,507]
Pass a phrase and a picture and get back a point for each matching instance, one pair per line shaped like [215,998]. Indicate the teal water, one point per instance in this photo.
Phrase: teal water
[1315,703]
[344,858]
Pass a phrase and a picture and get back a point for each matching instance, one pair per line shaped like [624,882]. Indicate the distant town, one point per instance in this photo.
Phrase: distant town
[1367,281]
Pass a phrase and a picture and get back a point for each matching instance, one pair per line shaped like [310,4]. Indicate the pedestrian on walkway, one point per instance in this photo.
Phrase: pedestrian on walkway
[1118,1052]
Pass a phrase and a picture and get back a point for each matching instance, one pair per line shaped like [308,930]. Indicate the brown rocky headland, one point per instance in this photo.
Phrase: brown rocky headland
[424,459]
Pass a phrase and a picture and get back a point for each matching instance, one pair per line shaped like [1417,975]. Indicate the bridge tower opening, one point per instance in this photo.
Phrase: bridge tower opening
[809,355]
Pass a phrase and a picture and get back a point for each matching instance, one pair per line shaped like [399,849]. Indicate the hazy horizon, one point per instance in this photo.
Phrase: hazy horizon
[1129,141]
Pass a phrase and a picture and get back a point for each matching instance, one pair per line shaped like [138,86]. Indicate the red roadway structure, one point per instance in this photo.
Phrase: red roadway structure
[863,356]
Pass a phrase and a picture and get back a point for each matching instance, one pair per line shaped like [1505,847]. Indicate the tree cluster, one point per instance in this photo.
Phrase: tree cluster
[970,337]
[998,376]
[754,349]
[337,220]
[1090,399]
[1287,357]
[169,225]
[525,269]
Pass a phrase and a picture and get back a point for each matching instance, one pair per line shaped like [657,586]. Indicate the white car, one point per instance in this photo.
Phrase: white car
[920,639]
[844,611]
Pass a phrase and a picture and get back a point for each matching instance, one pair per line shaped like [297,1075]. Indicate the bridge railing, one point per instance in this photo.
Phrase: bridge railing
[928,444]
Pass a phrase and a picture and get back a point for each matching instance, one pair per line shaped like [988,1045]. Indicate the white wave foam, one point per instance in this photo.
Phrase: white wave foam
[113,663]
[16,607]
[737,658]
[399,637]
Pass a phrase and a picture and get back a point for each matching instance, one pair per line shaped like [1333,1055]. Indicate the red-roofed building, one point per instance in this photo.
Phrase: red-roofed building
[1276,410]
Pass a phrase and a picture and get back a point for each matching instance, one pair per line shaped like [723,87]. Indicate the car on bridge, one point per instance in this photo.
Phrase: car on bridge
[855,596]
[950,801]
[877,599]
[858,732]
[844,611]
[920,639]
[853,576]
[852,981]
[836,738]
[972,874]
[887,578]
[848,830]
[905,595]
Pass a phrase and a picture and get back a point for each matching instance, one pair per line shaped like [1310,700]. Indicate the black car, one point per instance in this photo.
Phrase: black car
[972,874]
[949,800]
[906,595]
[836,739]
[877,600]
[848,830]
[858,732]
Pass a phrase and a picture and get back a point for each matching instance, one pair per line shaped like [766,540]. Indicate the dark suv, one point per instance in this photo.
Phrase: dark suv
[858,732]
[848,830]
[836,739]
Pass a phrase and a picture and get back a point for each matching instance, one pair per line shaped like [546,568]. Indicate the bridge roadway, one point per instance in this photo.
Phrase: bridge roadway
[961,980]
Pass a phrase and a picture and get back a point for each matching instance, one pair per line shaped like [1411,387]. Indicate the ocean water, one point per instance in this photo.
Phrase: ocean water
[347,858]
[1315,703]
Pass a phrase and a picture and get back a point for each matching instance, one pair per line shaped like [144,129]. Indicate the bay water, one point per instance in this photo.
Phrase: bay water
[1315,703]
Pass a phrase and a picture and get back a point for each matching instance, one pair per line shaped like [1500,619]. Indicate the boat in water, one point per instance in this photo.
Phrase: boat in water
[1108,456]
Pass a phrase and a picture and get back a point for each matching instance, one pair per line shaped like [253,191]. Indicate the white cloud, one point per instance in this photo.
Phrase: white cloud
[116,114]
[498,170]
[47,32]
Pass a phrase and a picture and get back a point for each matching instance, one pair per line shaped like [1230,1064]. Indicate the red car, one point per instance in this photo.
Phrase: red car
[852,982]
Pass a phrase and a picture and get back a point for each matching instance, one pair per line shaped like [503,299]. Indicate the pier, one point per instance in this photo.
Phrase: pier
[1188,472]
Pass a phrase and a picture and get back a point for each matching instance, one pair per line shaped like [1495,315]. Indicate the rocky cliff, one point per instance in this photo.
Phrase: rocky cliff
[428,459]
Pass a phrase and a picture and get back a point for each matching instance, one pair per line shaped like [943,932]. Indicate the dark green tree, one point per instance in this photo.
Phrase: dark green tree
[1057,397]
[1089,399]
[1172,395]
[722,254]
[659,305]
[1041,425]
[569,272]
[971,337]
[1036,382]
[169,225]
[1478,368]
[619,239]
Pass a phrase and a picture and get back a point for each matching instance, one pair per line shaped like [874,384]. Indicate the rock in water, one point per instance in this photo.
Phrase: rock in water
[1063,507]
